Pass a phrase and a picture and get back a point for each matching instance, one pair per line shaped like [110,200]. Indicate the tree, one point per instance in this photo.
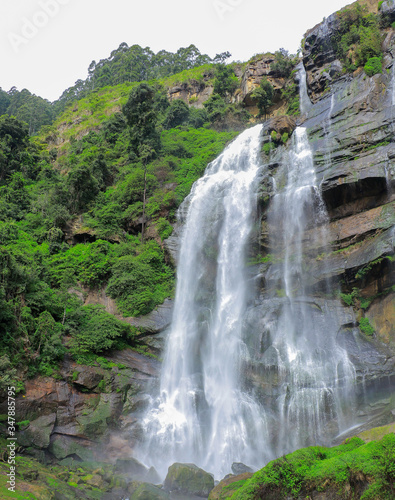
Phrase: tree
[177,114]
[140,115]
[225,80]
[222,57]
[283,63]
[14,136]
[263,96]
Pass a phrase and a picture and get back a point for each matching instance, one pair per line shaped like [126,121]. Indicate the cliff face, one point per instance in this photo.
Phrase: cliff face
[351,127]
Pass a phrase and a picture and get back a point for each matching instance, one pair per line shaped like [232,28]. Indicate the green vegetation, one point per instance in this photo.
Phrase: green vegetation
[137,64]
[283,63]
[358,40]
[366,327]
[92,213]
[353,469]
[373,66]
[34,111]
[263,96]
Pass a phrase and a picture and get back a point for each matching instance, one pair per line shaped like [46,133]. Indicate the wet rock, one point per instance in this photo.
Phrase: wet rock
[157,320]
[240,468]
[188,479]
[281,125]
[87,377]
[38,432]
[62,446]
[146,491]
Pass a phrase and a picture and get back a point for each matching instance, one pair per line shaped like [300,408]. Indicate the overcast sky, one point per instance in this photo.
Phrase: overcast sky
[46,45]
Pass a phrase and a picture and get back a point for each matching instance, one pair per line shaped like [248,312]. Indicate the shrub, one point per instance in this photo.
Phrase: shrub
[267,147]
[225,80]
[95,330]
[373,66]
[140,282]
[366,327]
[177,114]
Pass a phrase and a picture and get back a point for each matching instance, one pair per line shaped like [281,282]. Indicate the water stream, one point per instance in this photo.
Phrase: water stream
[315,372]
[206,411]
[201,414]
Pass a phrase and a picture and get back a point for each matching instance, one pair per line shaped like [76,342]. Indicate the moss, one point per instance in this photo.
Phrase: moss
[340,470]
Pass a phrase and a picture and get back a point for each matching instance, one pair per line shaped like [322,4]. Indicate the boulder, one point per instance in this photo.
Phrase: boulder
[38,432]
[188,479]
[240,468]
[147,491]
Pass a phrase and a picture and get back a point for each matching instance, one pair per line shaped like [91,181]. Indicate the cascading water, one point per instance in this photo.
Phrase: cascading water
[304,100]
[314,371]
[202,415]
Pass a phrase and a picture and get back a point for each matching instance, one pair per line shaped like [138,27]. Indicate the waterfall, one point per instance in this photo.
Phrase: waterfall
[315,373]
[305,103]
[202,415]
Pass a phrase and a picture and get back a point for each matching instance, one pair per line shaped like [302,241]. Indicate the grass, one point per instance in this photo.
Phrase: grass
[345,471]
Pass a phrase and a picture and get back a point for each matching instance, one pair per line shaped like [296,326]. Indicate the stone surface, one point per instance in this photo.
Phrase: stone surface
[148,491]
[188,479]
[239,468]
[38,432]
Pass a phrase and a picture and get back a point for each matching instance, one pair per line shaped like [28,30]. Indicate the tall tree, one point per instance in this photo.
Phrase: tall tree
[141,117]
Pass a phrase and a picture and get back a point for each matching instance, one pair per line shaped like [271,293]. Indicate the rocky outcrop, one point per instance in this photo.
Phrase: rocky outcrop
[193,93]
[319,55]
[92,414]
[351,132]
[189,479]
[255,70]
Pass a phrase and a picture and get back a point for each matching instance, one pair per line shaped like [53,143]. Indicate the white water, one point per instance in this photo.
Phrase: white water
[202,414]
[316,373]
[304,100]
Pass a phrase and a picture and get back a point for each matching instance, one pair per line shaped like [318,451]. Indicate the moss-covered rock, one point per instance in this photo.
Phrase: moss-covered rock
[189,479]
[228,486]
[148,491]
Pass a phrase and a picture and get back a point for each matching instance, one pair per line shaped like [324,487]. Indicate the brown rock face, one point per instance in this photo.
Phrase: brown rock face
[282,124]
[82,415]
[253,74]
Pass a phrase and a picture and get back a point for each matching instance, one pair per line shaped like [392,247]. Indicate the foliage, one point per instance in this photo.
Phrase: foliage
[141,117]
[283,63]
[366,327]
[291,95]
[358,37]
[373,66]
[267,147]
[141,280]
[164,228]
[134,64]
[225,81]
[263,96]
[177,114]
[29,108]
[94,330]
[320,469]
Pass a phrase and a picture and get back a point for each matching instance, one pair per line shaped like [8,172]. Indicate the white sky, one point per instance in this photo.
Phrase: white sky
[49,58]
